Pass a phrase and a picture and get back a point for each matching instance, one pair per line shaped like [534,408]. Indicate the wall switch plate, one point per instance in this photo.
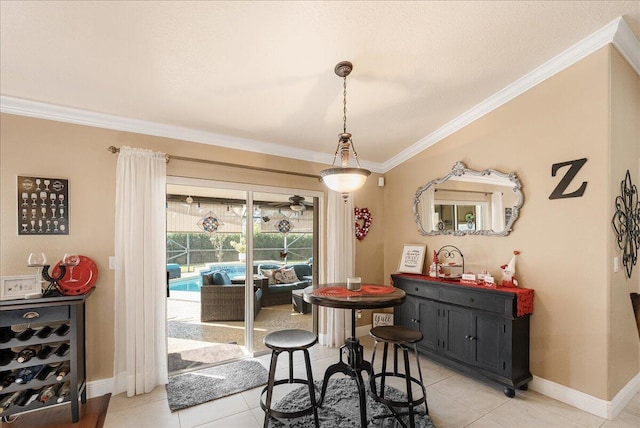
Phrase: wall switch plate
[616,264]
[112,262]
[20,286]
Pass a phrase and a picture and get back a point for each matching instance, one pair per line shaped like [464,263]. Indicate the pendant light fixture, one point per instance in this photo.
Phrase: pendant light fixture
[344,179]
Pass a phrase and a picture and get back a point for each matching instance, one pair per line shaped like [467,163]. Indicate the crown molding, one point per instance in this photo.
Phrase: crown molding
[627,44]
[616,32]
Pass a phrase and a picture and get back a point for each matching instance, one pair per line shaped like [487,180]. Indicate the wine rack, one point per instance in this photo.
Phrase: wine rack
[58,313]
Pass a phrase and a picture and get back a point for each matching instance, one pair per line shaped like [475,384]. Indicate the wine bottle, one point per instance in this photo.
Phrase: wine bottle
[28,396]
[62,372]
[45,352]
[62,350]
[6,355]
[45,372]
[26,374]
[44,332]
[6,379]
[63,392]
[9,400]
[6,334]
[28,353]
[25,334]
[47,392]
[63,330]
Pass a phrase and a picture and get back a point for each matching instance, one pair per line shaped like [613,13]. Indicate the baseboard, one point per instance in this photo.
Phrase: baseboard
[596,406]
[97,388]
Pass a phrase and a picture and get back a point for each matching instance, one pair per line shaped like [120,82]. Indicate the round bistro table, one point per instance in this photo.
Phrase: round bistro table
[337,296]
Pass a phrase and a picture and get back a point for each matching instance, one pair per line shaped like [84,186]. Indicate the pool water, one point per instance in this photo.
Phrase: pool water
[193,283]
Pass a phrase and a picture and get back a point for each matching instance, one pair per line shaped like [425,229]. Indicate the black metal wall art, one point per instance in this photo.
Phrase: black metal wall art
[626,223]
[559,191]
[43,206]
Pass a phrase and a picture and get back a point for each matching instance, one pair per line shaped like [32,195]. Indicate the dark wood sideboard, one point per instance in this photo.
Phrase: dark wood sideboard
[470,329]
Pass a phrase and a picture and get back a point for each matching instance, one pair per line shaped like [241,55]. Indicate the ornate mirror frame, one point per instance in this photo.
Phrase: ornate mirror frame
[459,170]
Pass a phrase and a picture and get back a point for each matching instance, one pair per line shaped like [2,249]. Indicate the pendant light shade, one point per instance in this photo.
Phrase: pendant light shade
[344,179]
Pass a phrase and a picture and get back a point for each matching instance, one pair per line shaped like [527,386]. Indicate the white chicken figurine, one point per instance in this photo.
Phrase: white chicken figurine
[509,272]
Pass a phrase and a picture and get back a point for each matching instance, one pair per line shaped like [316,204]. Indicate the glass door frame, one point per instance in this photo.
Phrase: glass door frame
[249,190]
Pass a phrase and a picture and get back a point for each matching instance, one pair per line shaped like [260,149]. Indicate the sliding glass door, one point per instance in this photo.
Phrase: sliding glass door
[232,253]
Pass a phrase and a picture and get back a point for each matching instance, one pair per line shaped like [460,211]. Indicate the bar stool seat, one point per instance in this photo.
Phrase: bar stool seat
[289,341]
[401,338]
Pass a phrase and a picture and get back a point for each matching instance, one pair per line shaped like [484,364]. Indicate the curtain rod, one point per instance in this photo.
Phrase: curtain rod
[114,150]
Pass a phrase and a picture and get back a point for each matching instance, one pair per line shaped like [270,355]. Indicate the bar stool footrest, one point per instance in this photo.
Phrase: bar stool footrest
[391,403]
[286,415]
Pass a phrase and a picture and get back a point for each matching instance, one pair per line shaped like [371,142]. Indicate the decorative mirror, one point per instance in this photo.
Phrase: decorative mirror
[468,202]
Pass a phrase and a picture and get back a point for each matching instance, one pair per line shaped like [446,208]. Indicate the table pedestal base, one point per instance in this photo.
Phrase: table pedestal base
[353,367]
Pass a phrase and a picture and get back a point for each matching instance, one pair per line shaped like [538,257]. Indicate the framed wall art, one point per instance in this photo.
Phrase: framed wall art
[412,258]
[43,206]
[19,286]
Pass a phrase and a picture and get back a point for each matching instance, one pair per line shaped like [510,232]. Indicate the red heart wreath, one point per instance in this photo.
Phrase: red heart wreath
[365,215]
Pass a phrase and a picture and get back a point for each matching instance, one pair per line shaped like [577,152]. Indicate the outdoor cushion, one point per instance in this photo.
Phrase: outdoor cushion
[220,277]
[302,270]
[268,273]
[285,276]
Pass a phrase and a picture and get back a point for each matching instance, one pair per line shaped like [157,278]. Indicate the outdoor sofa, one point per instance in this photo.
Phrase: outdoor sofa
[220,300]
[277,291]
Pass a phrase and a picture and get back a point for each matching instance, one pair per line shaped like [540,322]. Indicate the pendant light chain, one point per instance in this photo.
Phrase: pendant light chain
[344,105]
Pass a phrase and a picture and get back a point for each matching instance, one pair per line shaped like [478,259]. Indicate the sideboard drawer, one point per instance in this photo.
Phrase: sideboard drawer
[421,290]
[35,315]
[478,300]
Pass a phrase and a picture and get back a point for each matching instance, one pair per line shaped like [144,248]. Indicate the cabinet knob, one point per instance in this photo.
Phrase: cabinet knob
[471,299]
[469,337]
[415,320]
[31,315]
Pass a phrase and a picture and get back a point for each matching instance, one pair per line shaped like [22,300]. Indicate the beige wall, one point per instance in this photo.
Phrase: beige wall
[625,155]
[564,243]
[35,147]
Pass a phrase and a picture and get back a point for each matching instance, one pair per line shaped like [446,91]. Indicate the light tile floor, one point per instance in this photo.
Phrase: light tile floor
[454,401]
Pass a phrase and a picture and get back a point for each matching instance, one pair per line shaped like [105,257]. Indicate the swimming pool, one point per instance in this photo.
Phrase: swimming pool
[192,283]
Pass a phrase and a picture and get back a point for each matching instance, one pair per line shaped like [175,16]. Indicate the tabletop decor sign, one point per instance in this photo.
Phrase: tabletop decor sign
[364,215]
[412,258]
[43,206]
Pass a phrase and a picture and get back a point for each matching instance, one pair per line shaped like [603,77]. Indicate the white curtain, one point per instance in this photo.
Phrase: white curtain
[340,265]
[497,211]
[140,355]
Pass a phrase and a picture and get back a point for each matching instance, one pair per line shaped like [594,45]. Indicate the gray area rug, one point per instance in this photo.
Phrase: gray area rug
[204,385]
[341,408]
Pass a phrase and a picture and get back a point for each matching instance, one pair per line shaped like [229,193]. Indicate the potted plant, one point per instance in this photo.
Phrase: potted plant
[240,247]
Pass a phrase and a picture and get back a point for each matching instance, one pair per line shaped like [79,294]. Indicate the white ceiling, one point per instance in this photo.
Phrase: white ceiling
[259,75]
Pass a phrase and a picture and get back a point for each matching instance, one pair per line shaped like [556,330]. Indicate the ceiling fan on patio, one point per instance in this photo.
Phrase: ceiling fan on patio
[296,203]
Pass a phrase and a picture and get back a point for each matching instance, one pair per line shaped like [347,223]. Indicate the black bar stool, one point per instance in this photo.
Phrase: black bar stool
[403,338]
[289,341]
